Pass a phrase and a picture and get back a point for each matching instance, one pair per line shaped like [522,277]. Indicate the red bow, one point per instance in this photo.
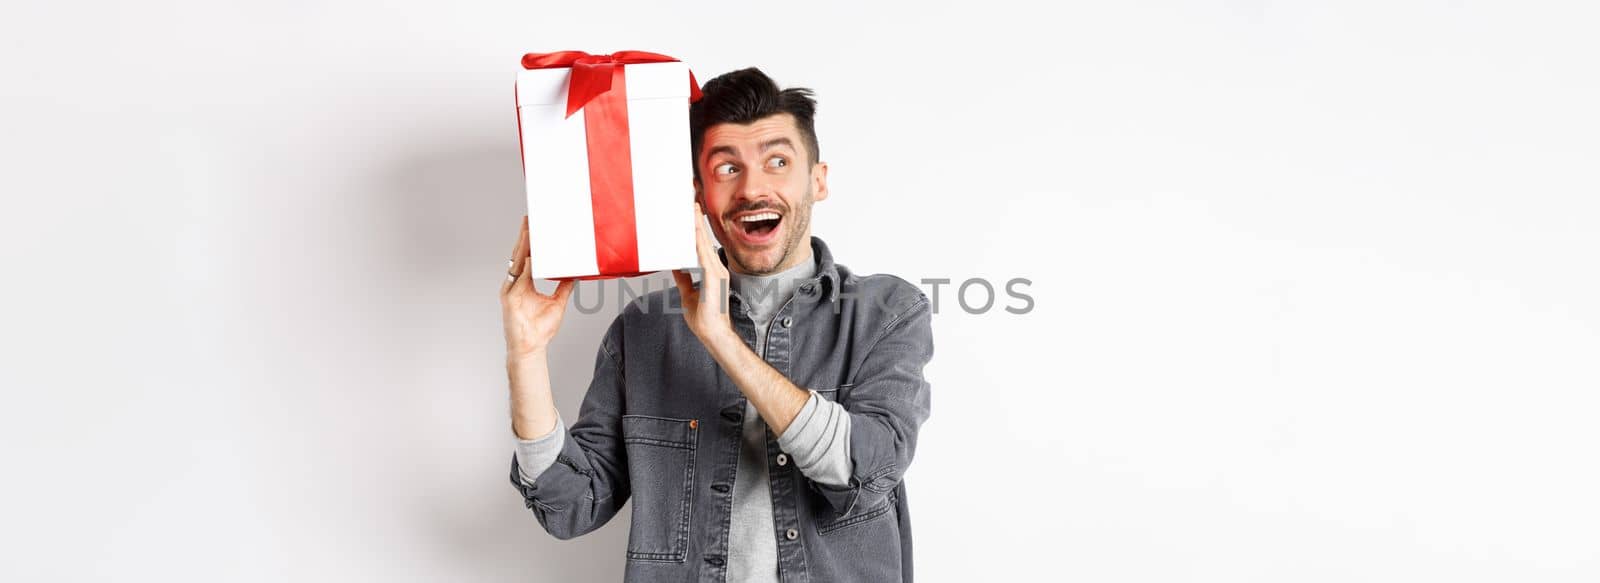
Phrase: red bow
[591,74]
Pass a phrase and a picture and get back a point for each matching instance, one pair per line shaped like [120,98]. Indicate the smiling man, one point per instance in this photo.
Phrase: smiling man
[761,420]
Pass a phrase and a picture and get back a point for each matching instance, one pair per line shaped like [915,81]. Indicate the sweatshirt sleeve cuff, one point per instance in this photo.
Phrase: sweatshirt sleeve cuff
[819,441]
[536,455]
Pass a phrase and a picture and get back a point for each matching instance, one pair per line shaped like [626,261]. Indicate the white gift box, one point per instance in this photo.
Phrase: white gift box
[573,223]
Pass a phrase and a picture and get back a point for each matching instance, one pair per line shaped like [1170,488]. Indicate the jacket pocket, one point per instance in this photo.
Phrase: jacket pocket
[858,518]
[661,471]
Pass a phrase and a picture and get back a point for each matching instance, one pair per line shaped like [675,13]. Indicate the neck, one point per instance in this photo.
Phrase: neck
[764,293]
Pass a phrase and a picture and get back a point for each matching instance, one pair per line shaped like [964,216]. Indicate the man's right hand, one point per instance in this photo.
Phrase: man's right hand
[531,318]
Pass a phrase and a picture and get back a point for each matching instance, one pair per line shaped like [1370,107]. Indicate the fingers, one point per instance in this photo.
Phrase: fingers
[524,277]
[518,261]
[519,254]
[524,236]
[522,240]
[704,248]
[564,291]
[522,283]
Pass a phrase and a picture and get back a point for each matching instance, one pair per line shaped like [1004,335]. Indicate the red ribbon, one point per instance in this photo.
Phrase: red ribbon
[598,86]
[592,74]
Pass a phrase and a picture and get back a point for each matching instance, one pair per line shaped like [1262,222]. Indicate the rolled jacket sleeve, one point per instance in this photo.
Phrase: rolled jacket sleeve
[887,403]
[819,441]
[588,482]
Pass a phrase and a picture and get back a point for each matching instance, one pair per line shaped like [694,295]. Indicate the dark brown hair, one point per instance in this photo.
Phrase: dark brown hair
[744,96]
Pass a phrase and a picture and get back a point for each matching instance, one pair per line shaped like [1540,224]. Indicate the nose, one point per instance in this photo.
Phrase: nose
[754,186]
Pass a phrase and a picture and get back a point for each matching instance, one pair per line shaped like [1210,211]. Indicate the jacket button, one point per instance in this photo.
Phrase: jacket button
[783,459]
[791,534]
[787,321]
[720,488]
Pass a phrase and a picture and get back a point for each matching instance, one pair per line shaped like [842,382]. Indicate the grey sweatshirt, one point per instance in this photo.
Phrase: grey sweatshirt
[817,441]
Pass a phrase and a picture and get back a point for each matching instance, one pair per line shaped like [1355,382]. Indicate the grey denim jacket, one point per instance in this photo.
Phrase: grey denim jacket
[661,423]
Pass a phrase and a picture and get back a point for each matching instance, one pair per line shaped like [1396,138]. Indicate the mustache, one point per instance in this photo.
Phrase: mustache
[756,206]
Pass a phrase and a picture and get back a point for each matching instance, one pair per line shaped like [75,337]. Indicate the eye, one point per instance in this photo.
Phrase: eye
[723,169]
[777,162]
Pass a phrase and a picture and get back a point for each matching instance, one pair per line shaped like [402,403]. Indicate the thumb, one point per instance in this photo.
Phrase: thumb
[685,285]
[564,290]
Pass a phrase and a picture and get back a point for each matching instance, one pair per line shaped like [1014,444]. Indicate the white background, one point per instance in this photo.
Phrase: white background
[1314,284]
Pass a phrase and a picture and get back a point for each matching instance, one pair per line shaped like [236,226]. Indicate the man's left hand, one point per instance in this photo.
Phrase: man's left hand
[705,309]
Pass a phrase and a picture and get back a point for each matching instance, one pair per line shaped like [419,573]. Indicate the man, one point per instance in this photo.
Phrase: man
[761,428]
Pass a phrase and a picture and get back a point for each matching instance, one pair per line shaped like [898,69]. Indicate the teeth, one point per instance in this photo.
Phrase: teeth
[760,217]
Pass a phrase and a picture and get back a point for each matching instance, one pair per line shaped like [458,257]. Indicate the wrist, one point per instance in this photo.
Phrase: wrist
[721,339]
[523,358]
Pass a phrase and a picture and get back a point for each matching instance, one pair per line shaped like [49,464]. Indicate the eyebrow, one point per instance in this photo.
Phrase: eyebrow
[767,145]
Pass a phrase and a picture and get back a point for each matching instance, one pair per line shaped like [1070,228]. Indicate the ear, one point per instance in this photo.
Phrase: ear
[699,193]
[819,181]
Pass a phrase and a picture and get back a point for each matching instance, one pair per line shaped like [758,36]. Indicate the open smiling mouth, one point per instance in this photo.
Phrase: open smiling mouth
[759,225]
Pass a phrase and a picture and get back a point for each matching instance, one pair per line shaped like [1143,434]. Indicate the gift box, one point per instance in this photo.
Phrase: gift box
[605,155]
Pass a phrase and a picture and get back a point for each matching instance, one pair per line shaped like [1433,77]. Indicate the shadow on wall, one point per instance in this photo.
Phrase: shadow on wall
[457,207]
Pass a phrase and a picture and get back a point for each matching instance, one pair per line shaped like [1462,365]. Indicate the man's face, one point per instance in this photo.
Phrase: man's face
[756,186]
